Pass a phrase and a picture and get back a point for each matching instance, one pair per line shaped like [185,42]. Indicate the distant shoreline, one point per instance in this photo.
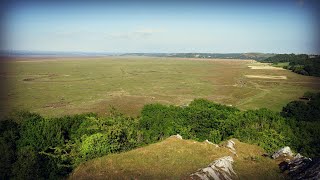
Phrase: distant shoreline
[83,58]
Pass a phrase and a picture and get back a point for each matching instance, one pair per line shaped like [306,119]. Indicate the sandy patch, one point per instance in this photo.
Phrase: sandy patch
[266,77]
[266,67]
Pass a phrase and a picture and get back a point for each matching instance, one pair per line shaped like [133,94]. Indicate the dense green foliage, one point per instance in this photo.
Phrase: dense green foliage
[304,119]
[203,120]
[304,111]
[279,58]
[9,134]
[195,121]
[34,147]
[301,63]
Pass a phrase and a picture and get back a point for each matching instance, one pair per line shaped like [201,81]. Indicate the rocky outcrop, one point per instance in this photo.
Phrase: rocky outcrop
[218,169]
[283,152]
[230,145]
[209,142]
[299,167]
[178,136]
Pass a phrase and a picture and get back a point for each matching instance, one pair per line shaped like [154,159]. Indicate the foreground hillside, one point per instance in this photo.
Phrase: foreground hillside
[175,158]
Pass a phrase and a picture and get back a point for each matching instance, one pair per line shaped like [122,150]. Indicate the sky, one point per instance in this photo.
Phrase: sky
[162,26]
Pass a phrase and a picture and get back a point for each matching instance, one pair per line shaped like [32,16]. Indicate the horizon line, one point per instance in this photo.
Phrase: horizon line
[39,52]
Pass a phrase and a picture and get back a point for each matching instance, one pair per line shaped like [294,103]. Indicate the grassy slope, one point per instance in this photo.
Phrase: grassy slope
[176,159]
[76,85]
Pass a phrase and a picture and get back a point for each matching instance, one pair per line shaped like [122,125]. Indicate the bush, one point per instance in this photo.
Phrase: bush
[302,111]
[98,145]
[159,121]
[27,165]
[215,136]
[9,134]
[264,128]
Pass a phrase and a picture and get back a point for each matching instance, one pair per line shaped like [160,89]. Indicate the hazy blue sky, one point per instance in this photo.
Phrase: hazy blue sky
[164,26]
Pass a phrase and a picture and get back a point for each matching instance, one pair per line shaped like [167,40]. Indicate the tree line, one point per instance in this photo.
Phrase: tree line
[254,56]
[301,63]
[34,147]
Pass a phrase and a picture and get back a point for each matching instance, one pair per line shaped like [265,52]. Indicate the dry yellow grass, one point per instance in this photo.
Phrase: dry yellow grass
[250,164]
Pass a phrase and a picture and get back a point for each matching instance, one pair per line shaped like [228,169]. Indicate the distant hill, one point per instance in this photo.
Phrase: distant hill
[53,54]
[255,56]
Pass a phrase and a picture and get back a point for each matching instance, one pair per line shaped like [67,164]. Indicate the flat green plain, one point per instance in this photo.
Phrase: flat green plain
[61,86]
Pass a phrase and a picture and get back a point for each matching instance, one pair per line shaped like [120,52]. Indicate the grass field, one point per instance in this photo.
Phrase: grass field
[55,87]
[177,159]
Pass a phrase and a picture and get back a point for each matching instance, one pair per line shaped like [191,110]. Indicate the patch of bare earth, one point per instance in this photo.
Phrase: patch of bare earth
[266,77]
[266,67]
[56,105]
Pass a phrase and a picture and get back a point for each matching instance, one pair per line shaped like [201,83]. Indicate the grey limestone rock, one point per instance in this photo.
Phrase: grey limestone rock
[178,136]
[299,167]
[207,141]
[230,145]
[283,152]
[218,169]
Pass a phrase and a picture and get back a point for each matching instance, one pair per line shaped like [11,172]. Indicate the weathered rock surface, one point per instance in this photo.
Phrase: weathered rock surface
[230,145]
[301,168]
[209,142]
[283,152]
[298,156]
[218,169]
[178,136]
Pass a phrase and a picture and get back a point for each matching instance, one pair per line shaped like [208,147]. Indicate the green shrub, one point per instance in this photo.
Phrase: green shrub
[9,134]
[215,136]
[27,165]
[302,111]
[98,145]
[158,121]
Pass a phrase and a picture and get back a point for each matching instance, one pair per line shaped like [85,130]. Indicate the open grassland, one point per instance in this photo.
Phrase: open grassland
[59,86]
[177,159]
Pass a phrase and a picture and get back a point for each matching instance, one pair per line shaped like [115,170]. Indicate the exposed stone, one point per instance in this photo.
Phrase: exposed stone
[283,152]
[184,105]
[283,166]
[301,168]
[218,169]
[230,145]
[178,136]
[207,141]
[298,156]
